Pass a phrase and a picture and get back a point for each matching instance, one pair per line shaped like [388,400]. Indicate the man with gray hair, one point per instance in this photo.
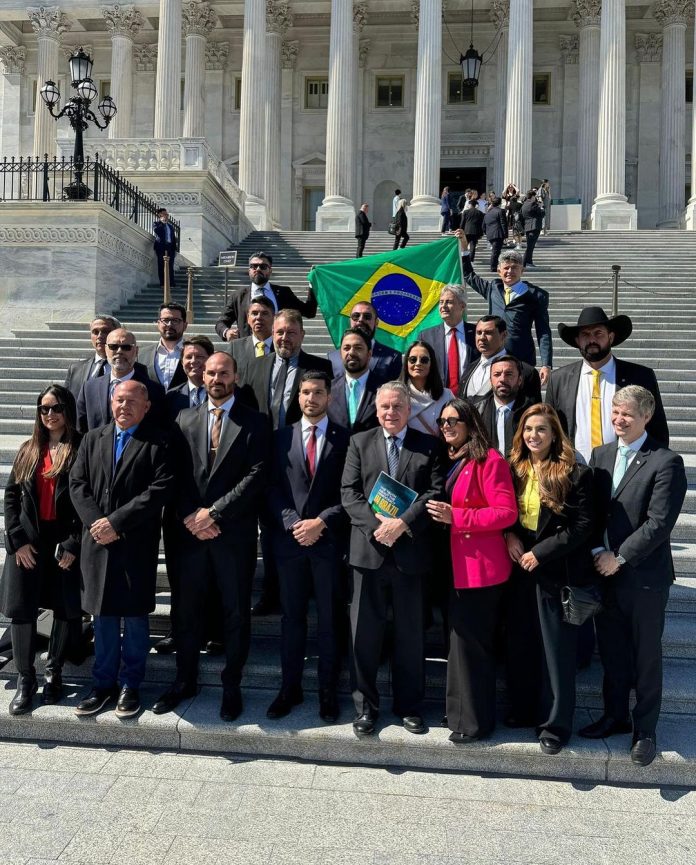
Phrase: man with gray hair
[639,489]
[454,341]
[96,365]
[390,555]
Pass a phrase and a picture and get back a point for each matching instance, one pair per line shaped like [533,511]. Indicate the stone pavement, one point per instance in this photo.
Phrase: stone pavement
[98,805]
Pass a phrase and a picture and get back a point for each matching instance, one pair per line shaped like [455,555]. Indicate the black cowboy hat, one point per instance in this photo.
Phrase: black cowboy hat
[621,325]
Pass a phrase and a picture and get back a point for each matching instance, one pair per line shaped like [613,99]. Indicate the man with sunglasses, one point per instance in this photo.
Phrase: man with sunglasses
[385,362]
[163,359]
[96,365]
[233,323]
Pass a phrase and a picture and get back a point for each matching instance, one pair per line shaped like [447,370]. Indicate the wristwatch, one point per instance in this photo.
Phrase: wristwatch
[214,514]
[620,559]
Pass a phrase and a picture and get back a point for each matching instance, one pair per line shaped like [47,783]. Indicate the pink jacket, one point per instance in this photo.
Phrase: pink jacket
[483,505]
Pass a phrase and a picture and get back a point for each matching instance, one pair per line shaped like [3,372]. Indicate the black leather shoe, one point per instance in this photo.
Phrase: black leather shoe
[52,691]
[96,700]
[414,724]
[328,705]
[166,645]
[606,726]
[284,702]
[22,701]
[231,707]
[462,738]
[364,725]
[265,607]
[213,648]
[549,745]
[443,722]
[171,698]
[128,702]
[644,749]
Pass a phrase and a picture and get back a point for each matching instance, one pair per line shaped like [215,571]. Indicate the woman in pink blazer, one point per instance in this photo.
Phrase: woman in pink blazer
[482,505]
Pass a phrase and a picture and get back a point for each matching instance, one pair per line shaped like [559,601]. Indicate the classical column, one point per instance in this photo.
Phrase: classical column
[49,24]
[518,126]
[587,18]
[569,45]
[648,48]
[500,16]
[359,21]
[123,22]
[252,144]
[337,212]
[690,212]
[611,209]
[146,65]
[216,54]
[290,209]
[12,60]
[198,20]
[425,205]
[673,16]
[363,51]
[278,22]
[168,86]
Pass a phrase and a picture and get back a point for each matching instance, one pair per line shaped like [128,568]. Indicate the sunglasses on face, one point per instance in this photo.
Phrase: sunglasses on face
[413,360]
[449,422]
[123,346]
[258,267]
[356,316]
[45,410]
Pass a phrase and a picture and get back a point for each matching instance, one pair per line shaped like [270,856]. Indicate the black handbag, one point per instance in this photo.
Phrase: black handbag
[391,228]
[580,603]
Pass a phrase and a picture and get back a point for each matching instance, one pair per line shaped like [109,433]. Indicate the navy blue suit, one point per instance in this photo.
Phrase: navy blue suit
[94,407]
[162,246]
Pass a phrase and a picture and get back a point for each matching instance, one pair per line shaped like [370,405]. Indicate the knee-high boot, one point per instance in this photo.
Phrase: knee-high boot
[24,651]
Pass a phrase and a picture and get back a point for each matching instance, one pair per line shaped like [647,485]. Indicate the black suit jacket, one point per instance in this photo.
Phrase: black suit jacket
[495,224]
[639,517]
[177,399]
[236,311]
[532,215]
[146,356]
[294,496]
[367,410]
[94,408]
[385,362]
[78,373]
[421,467]
[562,393]
[435,336]
[362,225]
[488,411]
[472,222]
[160,244]
[531,383]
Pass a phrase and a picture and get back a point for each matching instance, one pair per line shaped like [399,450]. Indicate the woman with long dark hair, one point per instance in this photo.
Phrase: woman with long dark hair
[481,506]
[42,541]
[428,394]
[550,546]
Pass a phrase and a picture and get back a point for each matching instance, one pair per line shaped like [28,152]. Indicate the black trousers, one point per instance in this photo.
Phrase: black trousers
[373,591]
[170,249]
[496,247]
[65,636]
[269,585]
[629,634]
[401,238]
[524,652]
[472,242]
[471,693]
[361,246]
[532,237]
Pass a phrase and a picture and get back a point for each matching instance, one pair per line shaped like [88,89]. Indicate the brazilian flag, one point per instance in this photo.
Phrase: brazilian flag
[403,285]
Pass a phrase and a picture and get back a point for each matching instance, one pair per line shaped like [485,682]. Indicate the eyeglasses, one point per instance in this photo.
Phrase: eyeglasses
[170,320]
[450,422]
[356,316]
[45,410]
[414,359]
[261,266]
[122,346]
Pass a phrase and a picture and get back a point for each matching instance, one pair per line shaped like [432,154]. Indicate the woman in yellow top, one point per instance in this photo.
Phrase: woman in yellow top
[550,546]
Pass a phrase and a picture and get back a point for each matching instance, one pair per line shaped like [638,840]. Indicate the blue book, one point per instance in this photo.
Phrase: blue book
[390,498]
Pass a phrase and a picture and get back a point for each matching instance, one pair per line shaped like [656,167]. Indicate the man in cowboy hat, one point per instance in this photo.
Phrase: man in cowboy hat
[582,392]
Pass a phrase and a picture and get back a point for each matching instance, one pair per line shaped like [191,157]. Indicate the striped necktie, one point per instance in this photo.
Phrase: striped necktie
[393,456]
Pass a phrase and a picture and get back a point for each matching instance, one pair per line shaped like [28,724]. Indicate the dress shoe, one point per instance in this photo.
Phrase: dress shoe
[52,691]
[128,702]
[462,738]
[364,725]
[328,705]
[231,707]
[443,722]
[284,702]
[414,724]
[606,726]
[213,648]
[549,745]
[265,607]
[644,749]
[166,645]
[171,698]
[23,700]
[96,700]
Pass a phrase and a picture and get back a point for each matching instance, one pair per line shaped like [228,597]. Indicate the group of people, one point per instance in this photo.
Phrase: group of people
[521,519]
[398,225]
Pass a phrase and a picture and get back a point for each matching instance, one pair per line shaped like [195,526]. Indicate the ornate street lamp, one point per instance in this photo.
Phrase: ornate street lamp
[79,113]
[472,60]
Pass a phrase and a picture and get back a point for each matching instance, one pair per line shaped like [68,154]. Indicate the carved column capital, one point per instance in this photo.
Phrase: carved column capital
[359,16]
[199,19]
[587,12]
[673,12]
[145,57]
[70,50]
[12,58]
[122,20]
[216,54]
[363,49]
[278,16]
[48,21]
[648,47]
[499,13]
[569,48]
[288,54]
[415,12]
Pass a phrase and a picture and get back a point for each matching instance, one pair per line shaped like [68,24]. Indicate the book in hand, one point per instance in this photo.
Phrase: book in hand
[390,498]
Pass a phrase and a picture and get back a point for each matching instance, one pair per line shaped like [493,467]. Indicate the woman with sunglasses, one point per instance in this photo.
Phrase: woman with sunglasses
[481,506]
[42,541]
[428,395]
[550,546]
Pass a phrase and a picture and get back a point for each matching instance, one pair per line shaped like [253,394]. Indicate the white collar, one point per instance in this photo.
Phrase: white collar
[126,377]
[226,406]
[608,368]
[320,425]
[361,379]
[458,327]
[400,436]
[635,445]
[487,361]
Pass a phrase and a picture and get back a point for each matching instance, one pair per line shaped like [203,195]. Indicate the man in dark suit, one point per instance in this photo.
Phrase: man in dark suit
[502,409]
[475,383]
[521,304]
[260,342]
[119,484]
[385,361]
[362,229]
[94,401]
[96,365]
[454,341]
[233,322]
[310,538]
[390,557]
[353,393]
[532,214]
[190,394]
[222,484]
[640,487]
[165,244]
[495,227]
[589,384]
[163,359]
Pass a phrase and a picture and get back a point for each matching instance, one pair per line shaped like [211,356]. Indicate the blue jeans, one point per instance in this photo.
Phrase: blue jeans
[114,653]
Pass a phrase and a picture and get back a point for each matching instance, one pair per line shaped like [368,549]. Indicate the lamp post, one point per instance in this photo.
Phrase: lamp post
[79,113]
[472,60]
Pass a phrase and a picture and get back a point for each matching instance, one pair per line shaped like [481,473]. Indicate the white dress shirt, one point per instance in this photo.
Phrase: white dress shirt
[194,388]
[266,291]
[114,381]
[462,347]
[96,366]
[226,407]
[399,440]
[501,413]
[166,362]
[480,382]
[635,446]
[583,406]
[321,435]
[267,343]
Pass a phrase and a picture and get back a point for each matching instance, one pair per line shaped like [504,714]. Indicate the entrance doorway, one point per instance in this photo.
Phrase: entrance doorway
[459,179]
[311,200]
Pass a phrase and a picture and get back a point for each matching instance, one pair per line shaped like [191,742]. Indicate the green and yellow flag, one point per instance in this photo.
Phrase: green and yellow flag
[404,286]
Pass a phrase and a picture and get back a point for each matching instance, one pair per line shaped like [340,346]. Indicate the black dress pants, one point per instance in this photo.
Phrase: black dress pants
[472,242]
[401,239]
[496,247]
[170,250]
[361,246]
[532,237]
[524,652]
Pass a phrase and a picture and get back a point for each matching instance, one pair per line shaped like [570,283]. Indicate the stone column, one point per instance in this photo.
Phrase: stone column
[500,16]
[49,24]
[123,22]
[288,54]
[611,209]
[168,86]
[337,211]
[216,54]
[425,205]
[12,60]
[648,48]
[690,212]
[518,126]
[198,20]
[587,18]
[278,22]
[146,65]
[252,144]
[363,50]
[567,156]
[673,16]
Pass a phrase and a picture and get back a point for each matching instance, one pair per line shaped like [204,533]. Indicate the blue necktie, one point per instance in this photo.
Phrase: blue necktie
[122,438]
[620,467]
[352,400]
[393,456]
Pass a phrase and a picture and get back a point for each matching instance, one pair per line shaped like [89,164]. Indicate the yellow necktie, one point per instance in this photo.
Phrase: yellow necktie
[260,349]
[596,414]
[508,295]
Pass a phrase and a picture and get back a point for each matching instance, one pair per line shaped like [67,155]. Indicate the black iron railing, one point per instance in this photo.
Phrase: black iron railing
[33,179]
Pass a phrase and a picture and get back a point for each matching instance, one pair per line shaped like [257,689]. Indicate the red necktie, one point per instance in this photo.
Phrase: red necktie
[312,451]
[453,362]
